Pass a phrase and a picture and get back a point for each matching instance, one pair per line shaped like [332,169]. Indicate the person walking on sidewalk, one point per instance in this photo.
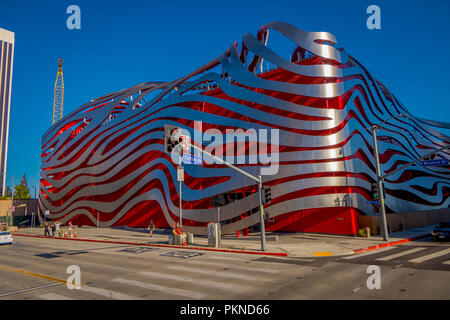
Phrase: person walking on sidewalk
[70,229]
[46,231]
[57,229]
[151,227]
[53,230]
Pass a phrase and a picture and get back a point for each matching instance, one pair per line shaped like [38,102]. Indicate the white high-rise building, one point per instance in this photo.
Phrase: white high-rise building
[6,71]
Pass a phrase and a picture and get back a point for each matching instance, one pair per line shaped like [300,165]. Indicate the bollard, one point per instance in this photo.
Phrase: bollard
[171,239]
[367,232]
[190,238]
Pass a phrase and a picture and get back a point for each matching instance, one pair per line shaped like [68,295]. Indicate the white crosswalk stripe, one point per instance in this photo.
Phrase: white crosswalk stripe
[53,296]
[108,293]
[215,263]
[368,253]
[430,256]
[202,282]
[401,254]
[160,288]
[215,257]
[216,273]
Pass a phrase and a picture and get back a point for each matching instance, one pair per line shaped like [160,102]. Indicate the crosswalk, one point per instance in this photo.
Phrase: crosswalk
[415,256]
[206,277]
[223,276]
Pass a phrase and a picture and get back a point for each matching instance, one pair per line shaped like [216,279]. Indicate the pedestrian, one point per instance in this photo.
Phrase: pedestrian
[46,231]
[53,230]
[57,229]
[70,229]
[151,227]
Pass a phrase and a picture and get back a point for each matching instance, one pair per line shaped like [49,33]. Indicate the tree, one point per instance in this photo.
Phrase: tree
[8,192]
[21,192]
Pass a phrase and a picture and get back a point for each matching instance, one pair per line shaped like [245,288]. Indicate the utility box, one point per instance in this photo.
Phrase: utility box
[214,235]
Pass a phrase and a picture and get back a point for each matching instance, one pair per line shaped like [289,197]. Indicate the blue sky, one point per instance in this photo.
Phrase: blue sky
[123,43]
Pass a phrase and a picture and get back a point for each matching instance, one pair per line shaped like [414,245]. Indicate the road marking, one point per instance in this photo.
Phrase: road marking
[358,255]
[214,273]
[224,258]
[233,266]
[356,289]
[108,293]
[400,254]
[53,296]
[430,256]
[323,254]
[156,287]
[446,262]
[30,289]
[227,286]
[37,275]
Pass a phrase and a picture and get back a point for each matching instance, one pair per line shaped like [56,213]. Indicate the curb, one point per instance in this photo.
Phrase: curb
[393,243]
[280,254]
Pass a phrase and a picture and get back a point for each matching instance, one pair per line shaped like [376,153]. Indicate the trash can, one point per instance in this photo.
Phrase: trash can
[214,235]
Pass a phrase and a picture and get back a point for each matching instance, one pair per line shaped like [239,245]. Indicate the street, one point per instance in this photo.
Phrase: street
[36,268]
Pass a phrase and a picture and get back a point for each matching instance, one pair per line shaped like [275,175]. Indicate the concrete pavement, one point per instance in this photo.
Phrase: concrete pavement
[289,244]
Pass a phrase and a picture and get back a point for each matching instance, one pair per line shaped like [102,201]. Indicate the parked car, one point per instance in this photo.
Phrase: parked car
[441,232]
[6,237]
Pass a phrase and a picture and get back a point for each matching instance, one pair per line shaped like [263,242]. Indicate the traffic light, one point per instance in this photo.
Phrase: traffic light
[374,191]
[172,137]
[267,194]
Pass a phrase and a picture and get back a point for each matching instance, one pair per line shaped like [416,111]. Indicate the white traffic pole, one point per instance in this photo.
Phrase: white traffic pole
[380,184]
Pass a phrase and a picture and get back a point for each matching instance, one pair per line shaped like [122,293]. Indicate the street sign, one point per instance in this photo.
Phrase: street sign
[12,208]
[180,174]
[192,159]
[438,162]
[374,202]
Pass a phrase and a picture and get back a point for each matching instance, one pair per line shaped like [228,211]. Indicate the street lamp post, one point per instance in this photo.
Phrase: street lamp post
[12,204]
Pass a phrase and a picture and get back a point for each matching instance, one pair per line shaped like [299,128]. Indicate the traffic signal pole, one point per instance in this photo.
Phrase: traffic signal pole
[258,180]
[171,142]
[261,211]
[380,184]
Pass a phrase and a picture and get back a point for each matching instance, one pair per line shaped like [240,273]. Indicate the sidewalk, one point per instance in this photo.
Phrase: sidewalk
[287,244]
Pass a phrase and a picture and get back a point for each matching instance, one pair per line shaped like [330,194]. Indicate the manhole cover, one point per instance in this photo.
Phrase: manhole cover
[182,254]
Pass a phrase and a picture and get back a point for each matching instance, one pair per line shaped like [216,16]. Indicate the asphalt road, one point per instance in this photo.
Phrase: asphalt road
[36,268]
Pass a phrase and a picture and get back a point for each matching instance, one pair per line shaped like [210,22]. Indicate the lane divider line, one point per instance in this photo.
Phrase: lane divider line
[37,275]
[29,289]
